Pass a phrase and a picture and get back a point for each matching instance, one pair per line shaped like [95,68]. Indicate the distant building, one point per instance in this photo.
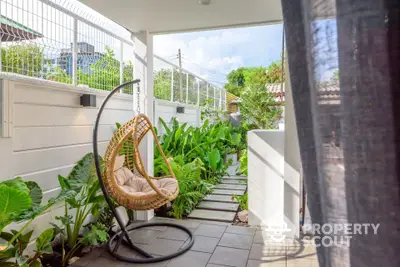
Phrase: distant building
[328,97]
[86,57]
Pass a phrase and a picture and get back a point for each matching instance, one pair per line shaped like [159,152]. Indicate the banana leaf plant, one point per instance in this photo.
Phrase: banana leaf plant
[20,202]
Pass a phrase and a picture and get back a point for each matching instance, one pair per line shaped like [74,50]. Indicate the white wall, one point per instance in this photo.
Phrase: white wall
[50,131]
[266,177]
[45,130]
[274,173]
[167,110]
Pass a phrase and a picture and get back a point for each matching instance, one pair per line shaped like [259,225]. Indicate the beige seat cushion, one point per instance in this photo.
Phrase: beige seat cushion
[137,185]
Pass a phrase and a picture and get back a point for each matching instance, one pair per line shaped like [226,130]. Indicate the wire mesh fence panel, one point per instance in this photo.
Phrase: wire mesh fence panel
[203,92]
[127,67]
[184,89]
[97,58]
[224,104]
[176,85]
[163,79]
[65,41]
[217,98]
[89,15]
[33,36]
[210,95]
[192,90]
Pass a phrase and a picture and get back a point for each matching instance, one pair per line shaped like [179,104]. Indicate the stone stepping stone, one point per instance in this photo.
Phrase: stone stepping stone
[220,198]
[236,177]
[231,186]
[212,215]
[228,192]
[222,206]
[233,181]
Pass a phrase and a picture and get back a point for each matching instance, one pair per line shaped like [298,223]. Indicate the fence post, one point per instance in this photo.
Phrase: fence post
[198,92]
[172,85]
[225,101]
[121,65]
[220,98]
[215,102]
[75,54]
[187,87]
[207,92]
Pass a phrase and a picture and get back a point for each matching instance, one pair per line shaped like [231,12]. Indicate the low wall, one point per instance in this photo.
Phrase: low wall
[44,130]
[167,110]
[266,177]
[273,182]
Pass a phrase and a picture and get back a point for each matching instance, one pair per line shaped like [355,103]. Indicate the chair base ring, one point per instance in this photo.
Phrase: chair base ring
[116,240]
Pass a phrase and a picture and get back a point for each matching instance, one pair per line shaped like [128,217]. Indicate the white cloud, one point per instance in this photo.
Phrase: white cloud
[207,49]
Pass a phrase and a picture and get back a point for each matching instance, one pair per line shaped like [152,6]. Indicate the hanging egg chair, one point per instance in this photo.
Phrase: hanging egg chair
[126,182]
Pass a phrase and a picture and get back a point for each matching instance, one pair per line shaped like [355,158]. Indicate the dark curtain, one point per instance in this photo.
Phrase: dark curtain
[344,64]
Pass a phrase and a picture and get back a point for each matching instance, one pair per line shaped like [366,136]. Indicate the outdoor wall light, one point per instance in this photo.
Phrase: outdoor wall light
[88,100]
[204,2]
[180,109]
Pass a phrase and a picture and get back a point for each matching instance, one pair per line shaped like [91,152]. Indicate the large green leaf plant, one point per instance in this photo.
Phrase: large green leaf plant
[80,190]
[201,148]
[20,202]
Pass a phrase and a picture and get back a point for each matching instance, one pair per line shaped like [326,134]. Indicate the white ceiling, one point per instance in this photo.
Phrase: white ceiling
[163,16]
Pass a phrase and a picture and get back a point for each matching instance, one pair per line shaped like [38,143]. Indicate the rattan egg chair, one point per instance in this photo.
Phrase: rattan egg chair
[126,182]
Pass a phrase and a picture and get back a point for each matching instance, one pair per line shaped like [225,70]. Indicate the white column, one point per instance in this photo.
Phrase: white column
[144,71]
[121,64]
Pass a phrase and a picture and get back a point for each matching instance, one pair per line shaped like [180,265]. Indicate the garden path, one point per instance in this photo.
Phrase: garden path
[219,205]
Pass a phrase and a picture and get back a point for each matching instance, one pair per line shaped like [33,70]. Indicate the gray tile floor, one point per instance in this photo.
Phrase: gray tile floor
[216,245]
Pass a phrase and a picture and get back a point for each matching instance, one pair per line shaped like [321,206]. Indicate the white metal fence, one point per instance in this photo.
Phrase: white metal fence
[65,41]
[180,85]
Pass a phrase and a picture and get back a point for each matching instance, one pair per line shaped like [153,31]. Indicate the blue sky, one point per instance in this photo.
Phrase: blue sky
[213,54]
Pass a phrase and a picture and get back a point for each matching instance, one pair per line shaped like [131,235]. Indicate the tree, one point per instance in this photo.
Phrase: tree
[162,85]
[243,77]
[259,107]
[25,59]
[335,76]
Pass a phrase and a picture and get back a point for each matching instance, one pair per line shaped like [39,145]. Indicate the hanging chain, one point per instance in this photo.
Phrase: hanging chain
[138,99]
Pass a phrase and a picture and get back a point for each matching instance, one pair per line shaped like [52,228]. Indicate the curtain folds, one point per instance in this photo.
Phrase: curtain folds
[344,64]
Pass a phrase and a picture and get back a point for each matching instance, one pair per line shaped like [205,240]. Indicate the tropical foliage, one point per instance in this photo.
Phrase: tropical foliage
[192,187]
[20,201]
[242,200]
[259,107]
[243,163]
[197,157]
[80,191]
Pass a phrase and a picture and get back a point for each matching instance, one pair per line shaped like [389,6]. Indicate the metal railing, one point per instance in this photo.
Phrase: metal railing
[65,41]
[180,85]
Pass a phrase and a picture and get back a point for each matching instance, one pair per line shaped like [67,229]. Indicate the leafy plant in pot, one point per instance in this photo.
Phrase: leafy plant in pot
[20,201]
[80,191]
